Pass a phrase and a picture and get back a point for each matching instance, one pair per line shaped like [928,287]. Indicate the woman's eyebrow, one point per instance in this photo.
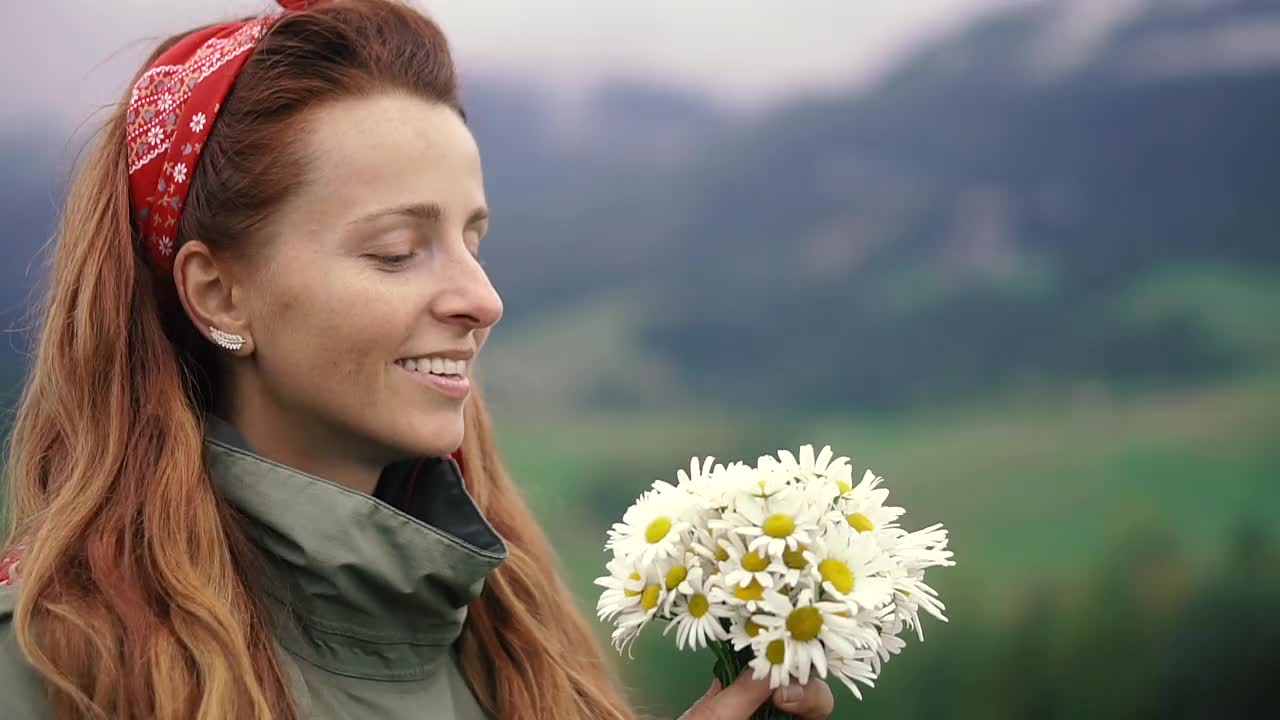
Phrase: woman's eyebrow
[428,212]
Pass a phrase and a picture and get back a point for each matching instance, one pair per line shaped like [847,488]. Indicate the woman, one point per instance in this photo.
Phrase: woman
[232,477]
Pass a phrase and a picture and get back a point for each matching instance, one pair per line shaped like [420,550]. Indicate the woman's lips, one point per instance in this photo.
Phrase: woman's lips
[452,386]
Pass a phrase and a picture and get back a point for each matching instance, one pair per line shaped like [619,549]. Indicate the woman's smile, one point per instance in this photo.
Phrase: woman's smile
[443,374]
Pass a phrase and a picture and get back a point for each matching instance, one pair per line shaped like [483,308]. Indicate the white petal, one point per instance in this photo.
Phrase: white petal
[802,661]
[824,457]
[820,663]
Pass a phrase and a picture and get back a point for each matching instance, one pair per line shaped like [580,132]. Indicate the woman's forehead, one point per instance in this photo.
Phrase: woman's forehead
[391,149]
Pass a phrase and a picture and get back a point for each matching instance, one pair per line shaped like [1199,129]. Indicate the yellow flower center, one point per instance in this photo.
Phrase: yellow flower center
[649,598]
[657,529]
[804,623]
[753,562]
[752,629]
[631,593]
[794,559]
[721,553]
[860,522]
[844,486]
[779,526]
[776,652]
[752,591]
[698,605]
[676,575]
[838,574]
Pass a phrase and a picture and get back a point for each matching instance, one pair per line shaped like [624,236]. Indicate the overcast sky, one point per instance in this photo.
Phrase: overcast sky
[71,56]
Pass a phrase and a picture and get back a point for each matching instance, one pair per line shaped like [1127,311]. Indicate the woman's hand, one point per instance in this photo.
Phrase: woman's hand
[813,700]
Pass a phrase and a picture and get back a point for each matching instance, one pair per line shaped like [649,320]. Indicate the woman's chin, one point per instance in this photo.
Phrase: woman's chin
[435,436]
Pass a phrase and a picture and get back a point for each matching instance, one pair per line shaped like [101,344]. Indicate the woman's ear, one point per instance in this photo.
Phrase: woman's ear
[212,297]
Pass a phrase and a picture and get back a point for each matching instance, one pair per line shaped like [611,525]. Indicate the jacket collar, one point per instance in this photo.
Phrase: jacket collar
[355,585]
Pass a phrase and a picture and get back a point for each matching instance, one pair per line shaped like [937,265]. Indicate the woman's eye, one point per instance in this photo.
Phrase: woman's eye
[395,259]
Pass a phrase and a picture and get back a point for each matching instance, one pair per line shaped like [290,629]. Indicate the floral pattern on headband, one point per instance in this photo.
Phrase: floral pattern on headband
[171,112]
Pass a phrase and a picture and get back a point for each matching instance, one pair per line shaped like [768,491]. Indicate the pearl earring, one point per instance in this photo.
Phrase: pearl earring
[226,341]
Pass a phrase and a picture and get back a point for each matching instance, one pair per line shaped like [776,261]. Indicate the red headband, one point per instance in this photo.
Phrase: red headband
[171,113]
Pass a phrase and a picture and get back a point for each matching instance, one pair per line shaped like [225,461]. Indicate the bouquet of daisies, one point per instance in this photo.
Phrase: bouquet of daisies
[786,568]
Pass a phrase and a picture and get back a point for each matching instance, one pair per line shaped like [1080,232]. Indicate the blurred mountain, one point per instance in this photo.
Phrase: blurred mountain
[1045,197]
[990,214]
[29,198]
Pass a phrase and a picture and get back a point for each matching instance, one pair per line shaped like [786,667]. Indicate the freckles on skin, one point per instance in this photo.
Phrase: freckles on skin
[330,322]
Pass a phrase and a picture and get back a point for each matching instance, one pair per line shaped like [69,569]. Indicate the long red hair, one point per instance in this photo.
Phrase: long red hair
[131,609]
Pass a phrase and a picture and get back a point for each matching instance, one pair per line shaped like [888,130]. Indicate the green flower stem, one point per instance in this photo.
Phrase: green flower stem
[724,666]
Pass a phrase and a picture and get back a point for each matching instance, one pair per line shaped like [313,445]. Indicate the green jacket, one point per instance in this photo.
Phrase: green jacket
[366,600]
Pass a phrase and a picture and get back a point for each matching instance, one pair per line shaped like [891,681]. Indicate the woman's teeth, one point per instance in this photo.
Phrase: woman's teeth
[435,366]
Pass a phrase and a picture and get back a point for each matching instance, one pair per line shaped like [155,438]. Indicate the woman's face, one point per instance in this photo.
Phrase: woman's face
[370,304]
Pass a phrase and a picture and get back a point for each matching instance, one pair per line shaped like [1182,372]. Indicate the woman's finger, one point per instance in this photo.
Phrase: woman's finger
[735,702]
[811,701]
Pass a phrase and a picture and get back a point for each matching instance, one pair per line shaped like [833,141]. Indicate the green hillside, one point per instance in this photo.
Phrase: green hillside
[1078,521]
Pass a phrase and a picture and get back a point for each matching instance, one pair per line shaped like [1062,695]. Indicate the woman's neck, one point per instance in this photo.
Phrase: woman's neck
[312,447]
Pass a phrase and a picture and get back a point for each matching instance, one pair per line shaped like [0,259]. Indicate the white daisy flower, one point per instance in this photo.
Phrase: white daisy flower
[920,549]
[754,486]
[785,520]
[623,637]
[826,467]
[747,598]
[811,630]
[633,618]
[890,644]
[862,507]
[852,569]
[857,668]
[180,172]
[797,565]
[697,618]
[155,135]
[703,481]
[623,586]
[913,595]
[745,565]
[709,546]
[197,122]
[772,657]
[743,631]
[784,463]
[654,527]
[830,477]
[673,572]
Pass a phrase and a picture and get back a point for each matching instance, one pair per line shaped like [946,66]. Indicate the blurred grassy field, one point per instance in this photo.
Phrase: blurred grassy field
[1111,545]
[1044,495]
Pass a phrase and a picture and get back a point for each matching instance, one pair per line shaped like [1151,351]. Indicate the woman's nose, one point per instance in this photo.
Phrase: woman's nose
[470,297]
